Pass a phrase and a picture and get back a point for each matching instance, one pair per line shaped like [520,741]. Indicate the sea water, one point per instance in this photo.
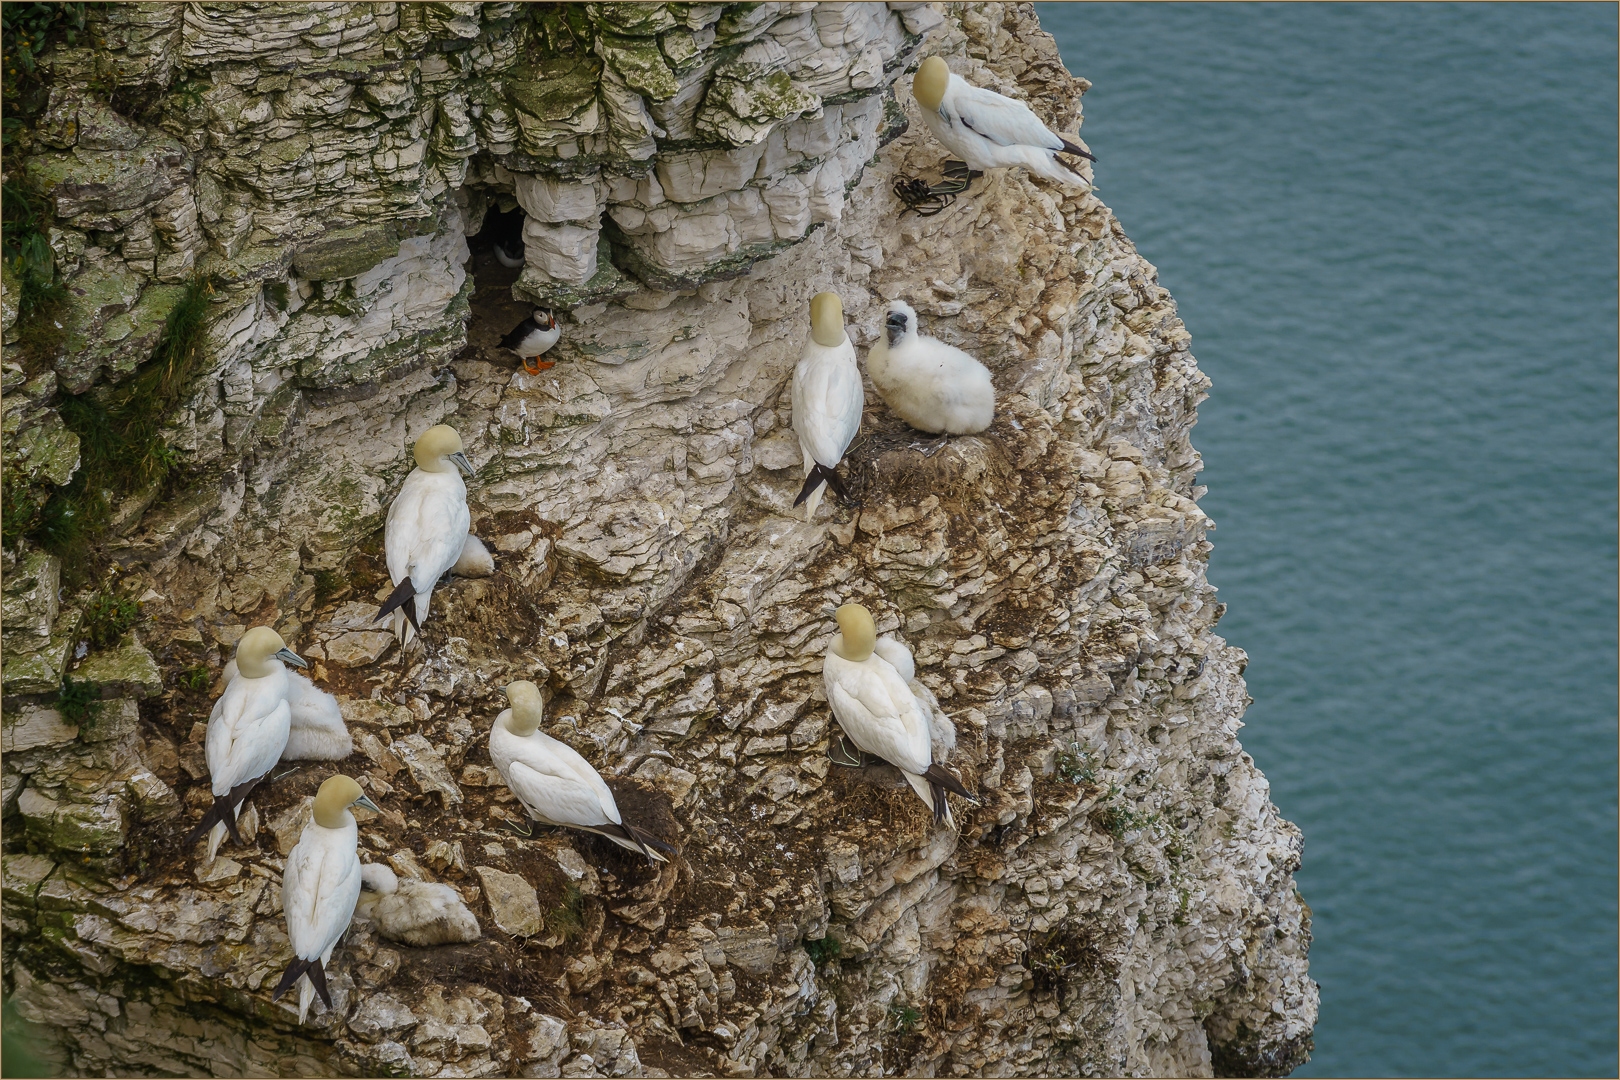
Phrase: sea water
[1391,232]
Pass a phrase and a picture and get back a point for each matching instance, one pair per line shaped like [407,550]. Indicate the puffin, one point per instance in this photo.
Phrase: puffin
[879,712]
[247,731]
[555,785]
[988,130]
[930,385]
[532,338]
[319,889]
[427,528]
[827,399]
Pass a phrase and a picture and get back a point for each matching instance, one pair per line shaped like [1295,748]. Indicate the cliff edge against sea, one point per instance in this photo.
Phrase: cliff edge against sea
[249,261]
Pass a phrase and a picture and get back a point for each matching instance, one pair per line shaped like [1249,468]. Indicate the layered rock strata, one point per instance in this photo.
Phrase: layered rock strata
[1122,902]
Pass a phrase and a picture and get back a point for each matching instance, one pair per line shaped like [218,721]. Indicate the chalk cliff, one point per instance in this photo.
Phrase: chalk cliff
[316,184]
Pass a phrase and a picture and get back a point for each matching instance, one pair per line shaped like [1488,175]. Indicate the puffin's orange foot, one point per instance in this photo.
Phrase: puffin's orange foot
[538,366]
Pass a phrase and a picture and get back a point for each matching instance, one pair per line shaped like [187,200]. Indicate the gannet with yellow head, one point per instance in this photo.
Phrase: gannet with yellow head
[553,782]
[827,400]
[878,711]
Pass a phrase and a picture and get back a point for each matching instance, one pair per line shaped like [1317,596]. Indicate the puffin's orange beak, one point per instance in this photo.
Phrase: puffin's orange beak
[538,366]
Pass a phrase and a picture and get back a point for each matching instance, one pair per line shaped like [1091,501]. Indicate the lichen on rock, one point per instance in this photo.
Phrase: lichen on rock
[1122,899]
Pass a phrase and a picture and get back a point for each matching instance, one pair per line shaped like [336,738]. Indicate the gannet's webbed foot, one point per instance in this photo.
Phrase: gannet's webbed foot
[841,753]
[929,199]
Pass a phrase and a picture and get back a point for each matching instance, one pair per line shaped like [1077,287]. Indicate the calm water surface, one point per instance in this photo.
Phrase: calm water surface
[1391,231]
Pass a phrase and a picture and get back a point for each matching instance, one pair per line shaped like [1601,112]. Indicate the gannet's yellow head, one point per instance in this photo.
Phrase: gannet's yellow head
[258,647]
[827,320]
[438,445]
[929,84]
[332,802]
[857,633]
[527,708]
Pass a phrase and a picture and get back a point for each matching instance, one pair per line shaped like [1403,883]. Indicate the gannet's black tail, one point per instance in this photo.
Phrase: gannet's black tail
[317,979]
[224,812]
[820,474]
[639,837]
[402,592]
[939,782]
[1070,148]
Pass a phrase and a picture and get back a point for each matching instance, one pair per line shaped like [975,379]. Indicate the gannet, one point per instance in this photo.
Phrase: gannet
[878,711]
[827,400]
[247,731]
[319,889]
[317,731]
[532,337]
[930,385]
[987,130]
[415,912]
[427,528]
[941,728]
[555,785]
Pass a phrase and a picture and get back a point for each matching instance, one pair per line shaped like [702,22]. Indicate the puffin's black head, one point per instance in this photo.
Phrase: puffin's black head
[897,324]
[544,319]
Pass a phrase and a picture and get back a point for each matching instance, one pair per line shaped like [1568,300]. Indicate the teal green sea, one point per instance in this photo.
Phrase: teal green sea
[1392,233]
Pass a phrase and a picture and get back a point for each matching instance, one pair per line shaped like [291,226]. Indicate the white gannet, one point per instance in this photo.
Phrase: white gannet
[319,889]
[427,528]
[941,728]
[247,731]
[878,711]
[930,385]
[553,782]
[827,400]
[532,338]
[987,130]
[416,912]
[475,559]
[317,731]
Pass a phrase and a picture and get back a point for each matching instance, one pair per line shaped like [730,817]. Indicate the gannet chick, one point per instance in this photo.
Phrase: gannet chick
[941,728]
[247,731]
[317,731]
[532,337]
[427,528]
[878,711]
[987,130]
[475,559]
[553,782]
[418,913]
[319,889]
[827,400]
[930,385]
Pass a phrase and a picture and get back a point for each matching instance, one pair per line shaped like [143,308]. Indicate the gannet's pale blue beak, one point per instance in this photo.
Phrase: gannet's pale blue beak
[366,802]
[289,657]
[461,462]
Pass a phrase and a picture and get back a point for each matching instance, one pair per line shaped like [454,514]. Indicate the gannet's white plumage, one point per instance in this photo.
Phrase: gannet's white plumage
[553,782]
[247,730]
[941,728]
[418,913]
[988,130]
[475,559]
[317,731]
[930,385]
[319,888]
[827,396]
[875,706]
[427,527]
